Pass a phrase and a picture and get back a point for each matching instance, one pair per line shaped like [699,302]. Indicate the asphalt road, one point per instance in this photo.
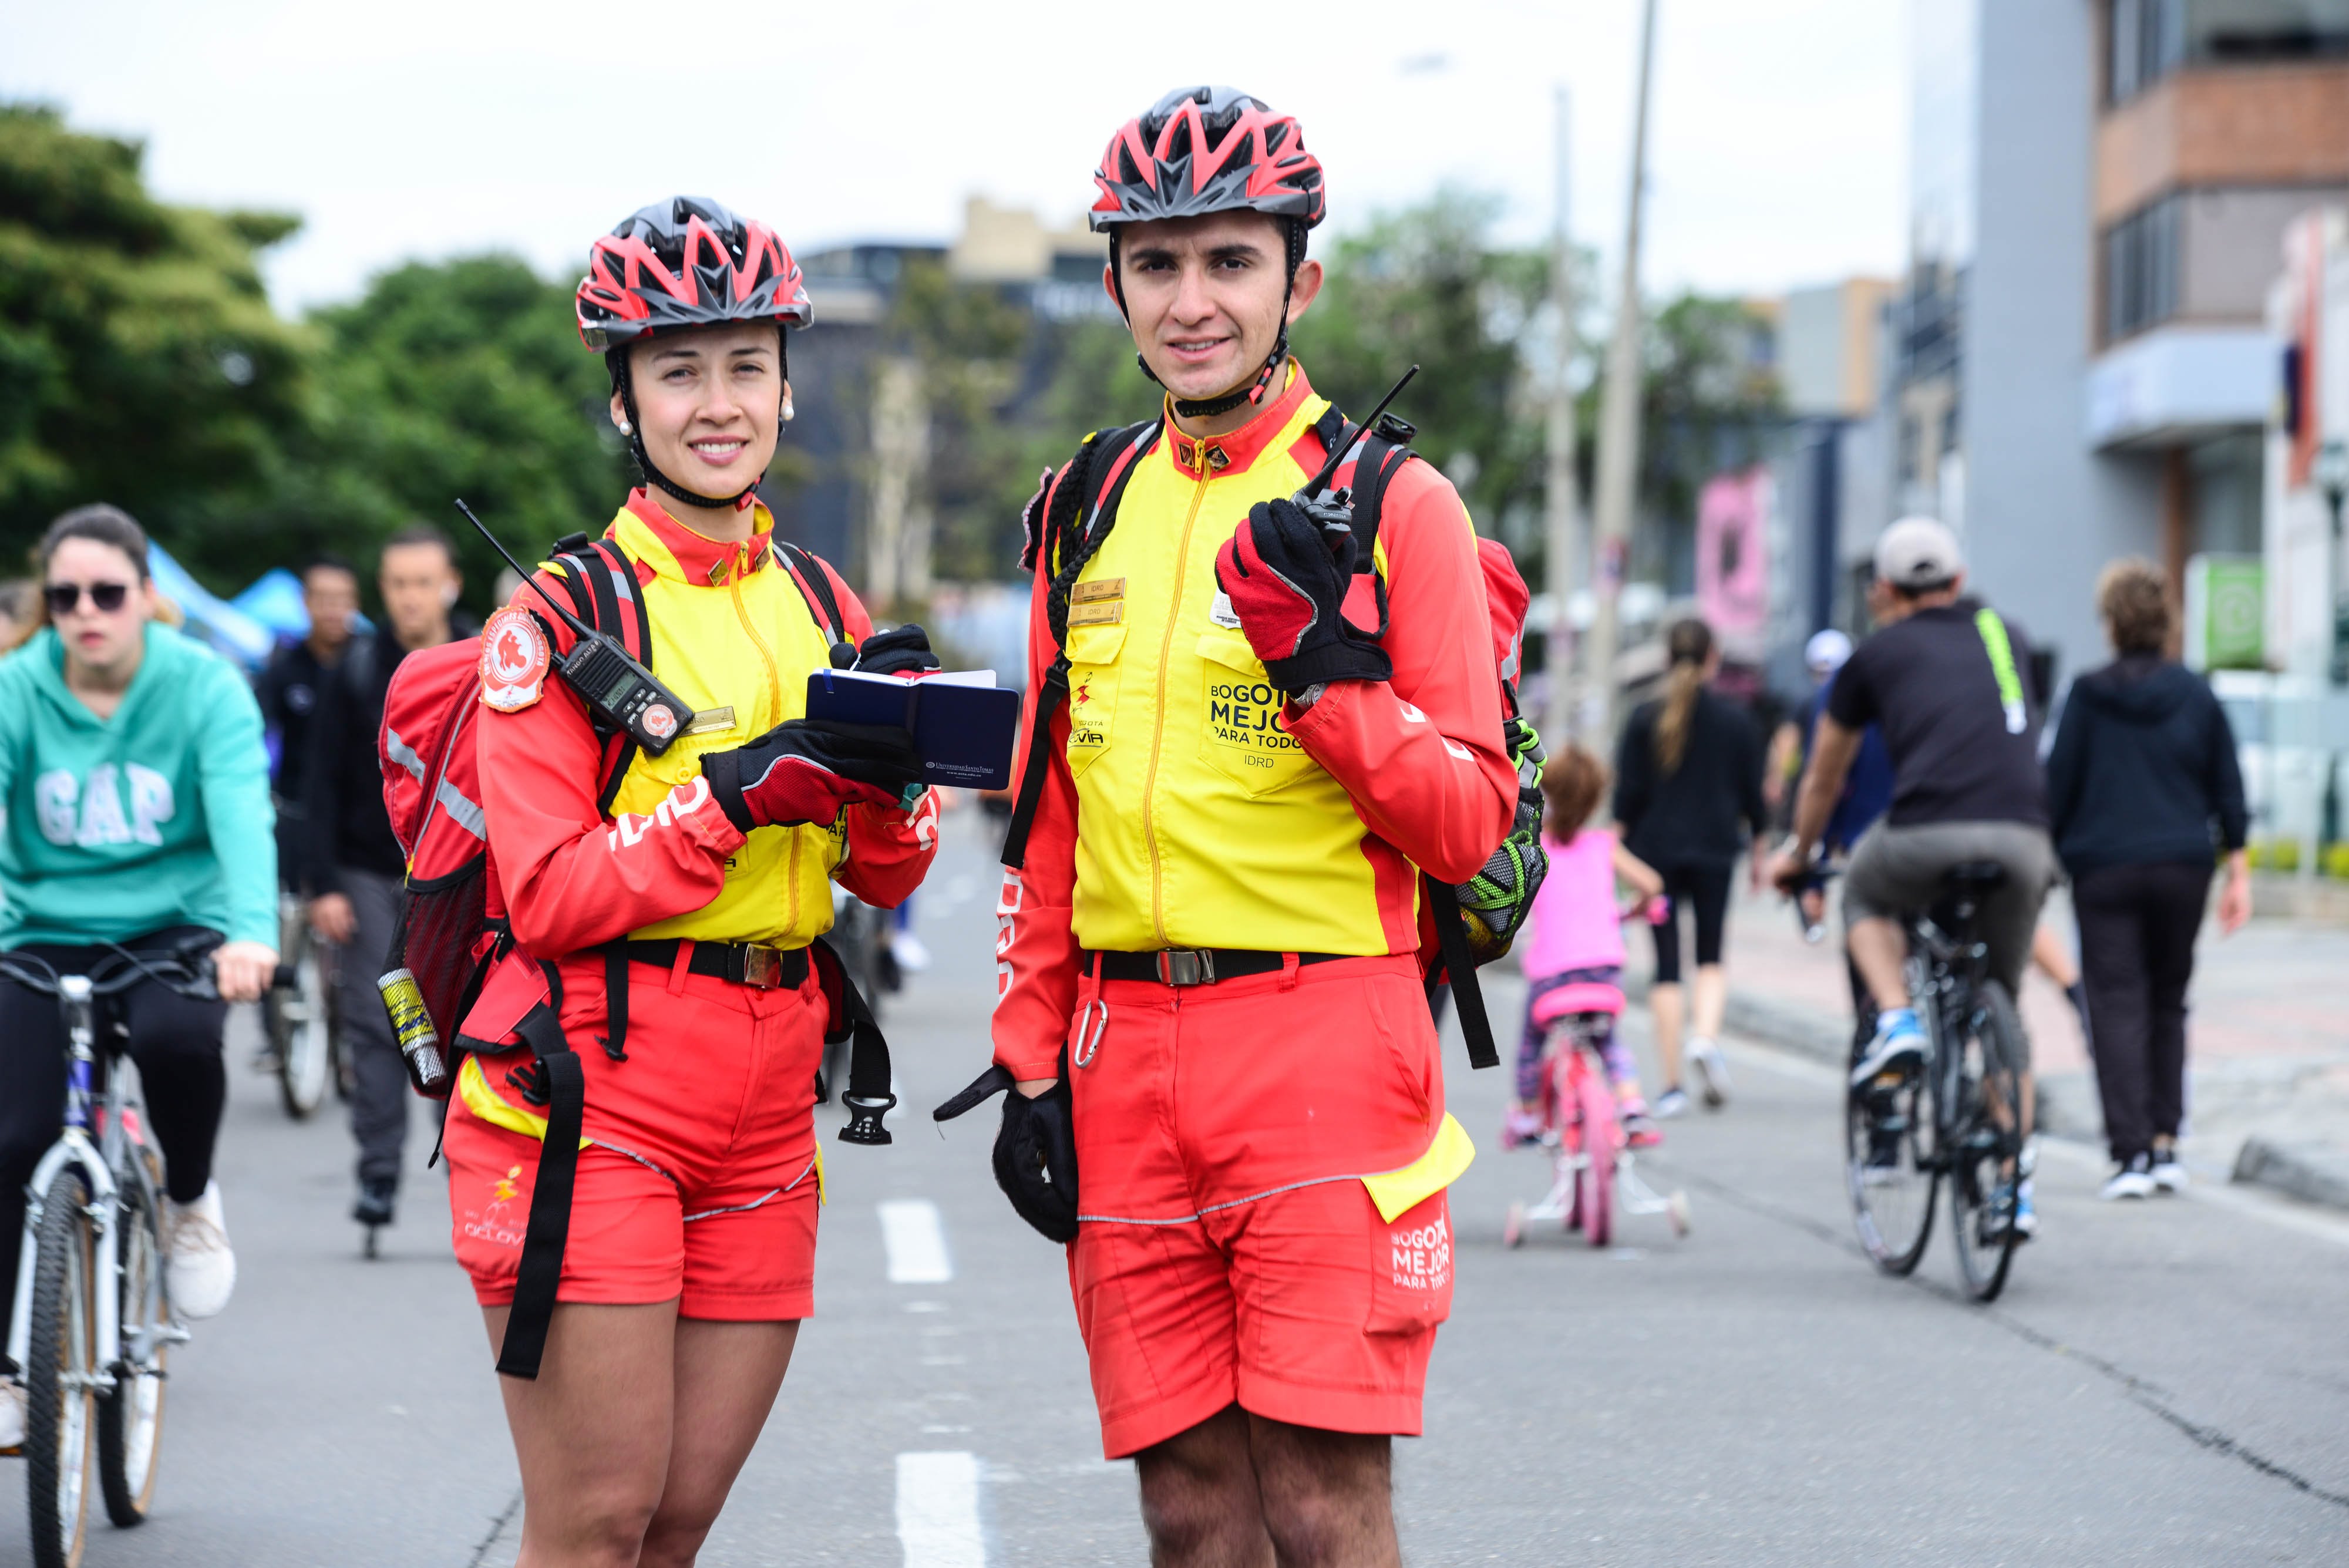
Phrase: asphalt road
[2163,1383]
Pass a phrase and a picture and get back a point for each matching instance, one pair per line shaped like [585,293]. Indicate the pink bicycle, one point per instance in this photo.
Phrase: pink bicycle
[1594,1174]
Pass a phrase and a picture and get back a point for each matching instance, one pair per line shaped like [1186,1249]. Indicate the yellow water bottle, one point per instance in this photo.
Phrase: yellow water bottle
[411,1027]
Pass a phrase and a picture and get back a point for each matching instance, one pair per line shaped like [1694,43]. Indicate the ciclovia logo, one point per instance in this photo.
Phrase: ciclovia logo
[1423,1255]
[496,1223]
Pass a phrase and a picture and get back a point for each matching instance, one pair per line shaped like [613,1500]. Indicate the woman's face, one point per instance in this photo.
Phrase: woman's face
[101,641]
[710,402]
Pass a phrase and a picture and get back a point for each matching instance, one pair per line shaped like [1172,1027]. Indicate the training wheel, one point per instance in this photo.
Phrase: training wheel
[1676,1207]
[1512,1228]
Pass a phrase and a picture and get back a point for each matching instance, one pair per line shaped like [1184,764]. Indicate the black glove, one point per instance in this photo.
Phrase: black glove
[807,770]
[1035,1150]
[896,651]
[1287,581]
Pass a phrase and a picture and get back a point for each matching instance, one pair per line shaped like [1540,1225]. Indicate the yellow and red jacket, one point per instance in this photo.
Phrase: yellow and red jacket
[732,635]
[1187,805]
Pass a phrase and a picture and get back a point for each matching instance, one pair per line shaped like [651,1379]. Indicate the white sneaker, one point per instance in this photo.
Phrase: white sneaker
[2132,1179]
[911,953]
[12,1416]
[2169,1172]
[199,1270]
[1712,1071]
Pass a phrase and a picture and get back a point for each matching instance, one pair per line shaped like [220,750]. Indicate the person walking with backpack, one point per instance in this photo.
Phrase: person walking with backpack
[631,1139]
[350,865]
[1688,795]
[1226,1094]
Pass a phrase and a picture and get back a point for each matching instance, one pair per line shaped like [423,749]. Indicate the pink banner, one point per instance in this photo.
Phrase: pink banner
[1733,566]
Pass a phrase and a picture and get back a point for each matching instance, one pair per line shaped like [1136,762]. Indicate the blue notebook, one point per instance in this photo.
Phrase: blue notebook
[963,724]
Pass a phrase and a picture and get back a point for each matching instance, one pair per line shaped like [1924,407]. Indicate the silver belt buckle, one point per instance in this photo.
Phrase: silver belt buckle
[762,967]
[1186,966]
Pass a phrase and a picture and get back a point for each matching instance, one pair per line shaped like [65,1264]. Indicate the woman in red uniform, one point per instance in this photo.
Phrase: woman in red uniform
[665,918]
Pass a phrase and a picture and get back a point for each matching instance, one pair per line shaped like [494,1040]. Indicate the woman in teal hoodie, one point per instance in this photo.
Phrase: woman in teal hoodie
[136,795]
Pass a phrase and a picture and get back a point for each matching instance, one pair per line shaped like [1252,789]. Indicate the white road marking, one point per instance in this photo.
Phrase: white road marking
[937,1509]
[916,1242]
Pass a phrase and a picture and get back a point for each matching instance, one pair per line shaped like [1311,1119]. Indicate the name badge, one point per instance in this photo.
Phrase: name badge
[1098,589]
[711,720]
[1102,612]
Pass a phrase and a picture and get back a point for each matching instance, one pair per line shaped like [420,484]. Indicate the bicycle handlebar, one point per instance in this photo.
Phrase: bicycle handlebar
[186,971]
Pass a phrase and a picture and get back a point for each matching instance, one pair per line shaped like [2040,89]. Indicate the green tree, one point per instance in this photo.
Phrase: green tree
[454,379]
[1426,285]
[140,361]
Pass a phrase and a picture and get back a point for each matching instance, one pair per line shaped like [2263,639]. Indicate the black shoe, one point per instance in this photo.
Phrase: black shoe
[377,1202]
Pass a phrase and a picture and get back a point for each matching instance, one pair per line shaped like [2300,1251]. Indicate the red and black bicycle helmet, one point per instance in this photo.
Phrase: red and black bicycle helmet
[687,262]
[1208,149]
[684,263]
[1211,149]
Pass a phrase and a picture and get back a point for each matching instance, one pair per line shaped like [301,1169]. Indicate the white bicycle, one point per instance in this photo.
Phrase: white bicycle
[93,1323]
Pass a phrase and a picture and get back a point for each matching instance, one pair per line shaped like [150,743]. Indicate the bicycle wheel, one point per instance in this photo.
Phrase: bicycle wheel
[1889,1169]
[1601,1141]
[300,1026]
[1986,1139]
[60,1356]
[130,1419]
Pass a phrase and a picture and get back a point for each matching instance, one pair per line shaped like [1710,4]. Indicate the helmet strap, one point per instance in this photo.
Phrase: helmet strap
[623,384]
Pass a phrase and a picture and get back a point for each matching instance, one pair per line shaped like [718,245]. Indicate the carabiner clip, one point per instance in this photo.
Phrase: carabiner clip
[1088,1044]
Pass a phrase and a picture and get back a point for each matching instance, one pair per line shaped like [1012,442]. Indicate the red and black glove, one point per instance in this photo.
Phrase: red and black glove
[808,770]
[1287,583]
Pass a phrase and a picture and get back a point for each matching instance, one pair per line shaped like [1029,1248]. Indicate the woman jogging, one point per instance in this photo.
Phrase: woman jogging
[1688,774]
[2145,794]
[696,882]
[130,757]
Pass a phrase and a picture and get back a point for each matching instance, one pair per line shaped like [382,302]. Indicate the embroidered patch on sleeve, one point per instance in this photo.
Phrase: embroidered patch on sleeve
[514,657]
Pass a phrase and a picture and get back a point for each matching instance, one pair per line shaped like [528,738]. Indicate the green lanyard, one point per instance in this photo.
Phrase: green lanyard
[2001,665]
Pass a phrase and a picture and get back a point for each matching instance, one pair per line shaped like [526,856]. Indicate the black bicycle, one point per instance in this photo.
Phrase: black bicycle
[1959,1117]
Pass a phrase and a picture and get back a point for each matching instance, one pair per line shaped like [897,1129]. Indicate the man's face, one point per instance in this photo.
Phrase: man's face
[332,596]
[1203,296]
[419,584]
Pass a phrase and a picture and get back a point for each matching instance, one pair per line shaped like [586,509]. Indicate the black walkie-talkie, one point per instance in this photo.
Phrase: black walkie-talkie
[619,691]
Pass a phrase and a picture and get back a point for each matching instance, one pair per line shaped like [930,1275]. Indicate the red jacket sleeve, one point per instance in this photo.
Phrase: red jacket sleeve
[1035,945]
[571,880]
[889,849]
[1422,754]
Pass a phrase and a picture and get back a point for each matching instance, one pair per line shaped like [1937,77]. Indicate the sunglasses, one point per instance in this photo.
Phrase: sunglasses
[104,597]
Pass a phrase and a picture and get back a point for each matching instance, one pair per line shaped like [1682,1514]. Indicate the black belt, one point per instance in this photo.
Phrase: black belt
[1196,966]
[744,963]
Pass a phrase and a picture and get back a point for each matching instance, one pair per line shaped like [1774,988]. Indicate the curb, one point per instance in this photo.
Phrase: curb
[2310,1173]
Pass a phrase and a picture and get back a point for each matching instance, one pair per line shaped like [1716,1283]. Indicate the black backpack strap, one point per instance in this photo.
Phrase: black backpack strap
[1091,486]
[867,1098]
[815,587]
[548,1231]
[1460,971]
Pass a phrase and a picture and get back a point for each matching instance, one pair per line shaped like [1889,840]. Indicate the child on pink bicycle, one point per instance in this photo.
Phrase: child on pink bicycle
[1576,937]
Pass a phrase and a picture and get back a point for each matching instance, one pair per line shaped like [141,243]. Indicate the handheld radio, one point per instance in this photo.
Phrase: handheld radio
[1334,509]
[615,687]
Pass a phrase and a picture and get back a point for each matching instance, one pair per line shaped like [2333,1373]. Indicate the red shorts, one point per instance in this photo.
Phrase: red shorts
[699,1183]
[1228,1250]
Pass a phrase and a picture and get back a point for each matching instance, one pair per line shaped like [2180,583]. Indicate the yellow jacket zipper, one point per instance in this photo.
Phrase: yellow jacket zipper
[1158,726]
[772,716]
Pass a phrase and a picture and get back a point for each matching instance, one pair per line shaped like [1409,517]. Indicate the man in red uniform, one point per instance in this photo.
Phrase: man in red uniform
[1217,920]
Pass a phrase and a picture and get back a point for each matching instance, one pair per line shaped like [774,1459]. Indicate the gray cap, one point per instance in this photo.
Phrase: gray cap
[1917,553]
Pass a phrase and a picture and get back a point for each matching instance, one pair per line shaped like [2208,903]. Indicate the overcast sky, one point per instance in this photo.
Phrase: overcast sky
[433,127]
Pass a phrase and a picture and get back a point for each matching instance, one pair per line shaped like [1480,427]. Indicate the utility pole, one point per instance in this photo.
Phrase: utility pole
[1619,431]
[1558,552]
